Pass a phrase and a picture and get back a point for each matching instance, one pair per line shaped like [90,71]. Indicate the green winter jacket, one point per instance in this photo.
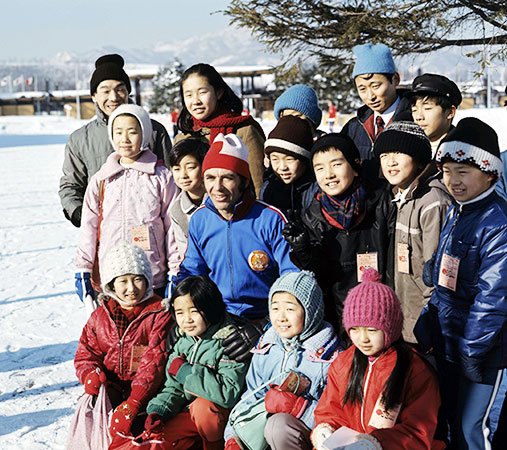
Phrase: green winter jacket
[208,373]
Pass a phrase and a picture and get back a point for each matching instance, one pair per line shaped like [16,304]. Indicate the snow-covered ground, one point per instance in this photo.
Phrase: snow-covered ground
[41,317]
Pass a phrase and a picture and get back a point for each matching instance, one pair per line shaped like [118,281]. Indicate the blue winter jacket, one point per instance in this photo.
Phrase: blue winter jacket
[272,362]
[243,256]
[471,323]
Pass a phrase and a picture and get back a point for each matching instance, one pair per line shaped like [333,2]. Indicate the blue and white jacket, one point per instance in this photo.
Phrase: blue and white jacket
[243,256]
[470,323]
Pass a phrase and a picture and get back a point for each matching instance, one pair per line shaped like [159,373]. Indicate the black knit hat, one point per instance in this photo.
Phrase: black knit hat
[109,67]
[340,142]
[404,137]
[438,86]
[472,142]
[291,135]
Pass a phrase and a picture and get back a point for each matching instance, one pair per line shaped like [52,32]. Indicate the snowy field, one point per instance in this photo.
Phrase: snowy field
[41,317]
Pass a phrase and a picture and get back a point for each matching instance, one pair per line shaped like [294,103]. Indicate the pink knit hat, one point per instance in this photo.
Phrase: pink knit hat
[373,304]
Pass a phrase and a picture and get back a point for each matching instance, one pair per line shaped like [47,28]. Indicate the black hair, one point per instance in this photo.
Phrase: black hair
[368,76]
[228,101]
[191,146]
[205,295]
[439,100]
[395,384]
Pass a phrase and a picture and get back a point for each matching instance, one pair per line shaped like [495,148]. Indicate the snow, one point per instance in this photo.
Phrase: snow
[41,316]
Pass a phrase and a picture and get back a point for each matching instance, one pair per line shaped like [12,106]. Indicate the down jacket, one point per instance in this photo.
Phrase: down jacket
[139,195]
[208,374]
[87,150]
[137,360]
[470,323]
[416,422]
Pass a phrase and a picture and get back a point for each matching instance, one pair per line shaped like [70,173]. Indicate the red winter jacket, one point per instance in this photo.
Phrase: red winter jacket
[417,420]
[134,363]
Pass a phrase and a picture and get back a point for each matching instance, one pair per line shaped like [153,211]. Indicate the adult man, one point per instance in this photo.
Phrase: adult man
[376,82]
[236,240]
[89,146]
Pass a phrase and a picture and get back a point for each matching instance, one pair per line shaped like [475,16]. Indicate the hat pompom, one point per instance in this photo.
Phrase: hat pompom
[371,275]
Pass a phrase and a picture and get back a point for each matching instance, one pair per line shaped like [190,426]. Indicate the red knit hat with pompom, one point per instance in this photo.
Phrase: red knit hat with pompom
[373,304]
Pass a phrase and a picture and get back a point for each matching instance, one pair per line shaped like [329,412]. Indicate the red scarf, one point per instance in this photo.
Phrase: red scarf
[225,123]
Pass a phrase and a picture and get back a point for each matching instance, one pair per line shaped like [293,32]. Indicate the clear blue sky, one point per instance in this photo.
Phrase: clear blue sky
[41,28]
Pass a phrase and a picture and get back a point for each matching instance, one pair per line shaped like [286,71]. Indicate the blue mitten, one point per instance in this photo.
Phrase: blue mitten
[84,285]
[171,284]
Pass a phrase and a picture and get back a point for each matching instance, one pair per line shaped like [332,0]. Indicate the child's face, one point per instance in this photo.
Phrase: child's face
[199,96]
[287,167]
[333,172]
[188,317]
[287,315]
[377,92]
[127,137]
[465,182]
[130,289]
[188,175]
[399,169]
[370,341]
[434,120]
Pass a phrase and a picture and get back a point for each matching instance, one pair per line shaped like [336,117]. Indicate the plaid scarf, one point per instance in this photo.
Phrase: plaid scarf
[225,122]
[345,210]
[122,317]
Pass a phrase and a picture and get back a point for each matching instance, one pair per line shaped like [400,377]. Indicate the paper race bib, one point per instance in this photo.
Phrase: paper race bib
[136,355]
[448,273]
[382,417]
[141,237]
[365,260]
[403,257]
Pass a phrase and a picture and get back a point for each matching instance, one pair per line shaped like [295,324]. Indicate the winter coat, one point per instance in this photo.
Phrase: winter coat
[271,360]
[286,196]
[134,362]
[416,422]
[87,150]
[243,256]
[139,195]
[470,322]
[209,374]
[180,212]
[501,184]
[361,129]
[332,252]
[254,140]
[419,220]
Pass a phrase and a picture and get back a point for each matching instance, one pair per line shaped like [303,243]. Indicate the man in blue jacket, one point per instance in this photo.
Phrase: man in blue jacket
[236,240]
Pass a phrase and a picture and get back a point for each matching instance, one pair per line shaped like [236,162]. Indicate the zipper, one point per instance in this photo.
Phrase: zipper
[365,389]
[194,350]
[229,258]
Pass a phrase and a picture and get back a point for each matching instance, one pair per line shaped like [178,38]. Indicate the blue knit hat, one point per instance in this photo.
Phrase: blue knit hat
[373,58]
[300,98]
[308,293]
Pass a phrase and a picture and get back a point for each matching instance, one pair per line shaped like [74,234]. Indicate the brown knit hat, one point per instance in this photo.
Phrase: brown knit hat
[373,304]
[291,136]
[109,67]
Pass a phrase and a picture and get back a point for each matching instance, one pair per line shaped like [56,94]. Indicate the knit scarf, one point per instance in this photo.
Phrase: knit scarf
[225,122]
[345,210]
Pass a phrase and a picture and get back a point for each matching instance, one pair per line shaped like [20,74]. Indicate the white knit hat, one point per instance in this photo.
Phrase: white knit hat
[142,117]
[123,259]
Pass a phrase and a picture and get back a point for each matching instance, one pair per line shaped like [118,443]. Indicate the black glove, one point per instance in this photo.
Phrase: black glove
[471,368]
[295,232]
[239,343]
[427,275]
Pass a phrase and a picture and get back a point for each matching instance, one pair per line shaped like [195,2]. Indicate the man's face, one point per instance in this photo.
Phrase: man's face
[109,95]
[377,92]
[224,188]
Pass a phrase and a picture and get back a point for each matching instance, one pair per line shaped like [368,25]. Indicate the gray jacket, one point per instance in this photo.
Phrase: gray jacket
[86,150]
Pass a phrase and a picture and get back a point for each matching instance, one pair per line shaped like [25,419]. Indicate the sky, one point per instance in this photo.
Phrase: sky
[42,28]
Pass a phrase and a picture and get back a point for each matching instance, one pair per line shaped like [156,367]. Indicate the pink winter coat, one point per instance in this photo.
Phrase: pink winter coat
[136,361]
[136,203]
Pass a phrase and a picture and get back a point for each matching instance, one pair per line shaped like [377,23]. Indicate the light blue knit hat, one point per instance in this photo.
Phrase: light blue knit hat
[302,98]
[304,287]
[373,58]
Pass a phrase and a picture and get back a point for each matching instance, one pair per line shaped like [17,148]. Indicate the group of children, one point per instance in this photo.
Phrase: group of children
[400,239]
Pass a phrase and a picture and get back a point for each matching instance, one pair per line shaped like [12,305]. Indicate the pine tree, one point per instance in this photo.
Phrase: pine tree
[166,89]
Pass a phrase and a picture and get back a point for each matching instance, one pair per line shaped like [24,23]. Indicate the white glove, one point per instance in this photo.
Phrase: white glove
[364,442]
[320,433]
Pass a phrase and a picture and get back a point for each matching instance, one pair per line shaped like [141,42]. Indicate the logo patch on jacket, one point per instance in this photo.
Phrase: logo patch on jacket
[258,260]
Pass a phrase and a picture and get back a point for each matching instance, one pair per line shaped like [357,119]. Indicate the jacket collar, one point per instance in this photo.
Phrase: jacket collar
[146,163]
[364,112]
[429,173]
[187,205]
[481,200]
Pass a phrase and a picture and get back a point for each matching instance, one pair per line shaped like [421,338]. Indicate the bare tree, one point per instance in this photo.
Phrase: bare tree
[328,29]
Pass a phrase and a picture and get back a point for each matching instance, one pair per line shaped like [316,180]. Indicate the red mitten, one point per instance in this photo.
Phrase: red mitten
[231,444]
[175,365]
[153,423]
[93,381]
[277,401]
[123,416]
